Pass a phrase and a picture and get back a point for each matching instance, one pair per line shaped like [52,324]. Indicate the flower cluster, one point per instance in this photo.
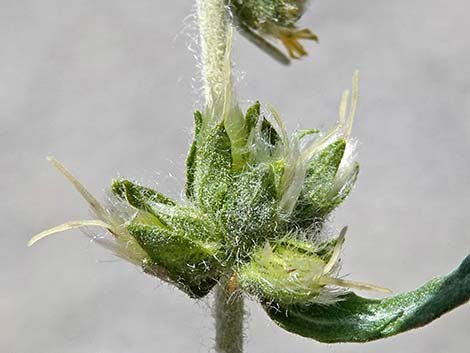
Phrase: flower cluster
[256,202]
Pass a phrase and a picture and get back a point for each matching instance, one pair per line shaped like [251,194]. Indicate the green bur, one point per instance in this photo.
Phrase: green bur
[256,203]
[287,273]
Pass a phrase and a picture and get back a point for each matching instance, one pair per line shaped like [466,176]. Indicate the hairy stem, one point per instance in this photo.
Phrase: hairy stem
[213,30]
[213,25]
[229,314]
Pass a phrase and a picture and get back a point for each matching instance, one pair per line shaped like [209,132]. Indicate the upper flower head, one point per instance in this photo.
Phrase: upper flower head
[262,20]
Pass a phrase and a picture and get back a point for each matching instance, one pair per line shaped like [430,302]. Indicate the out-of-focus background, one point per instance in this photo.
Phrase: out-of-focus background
[109,88]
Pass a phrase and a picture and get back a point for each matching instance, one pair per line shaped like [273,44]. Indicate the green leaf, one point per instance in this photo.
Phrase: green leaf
[184,242]
[235,126]
[142,198]
[212,171]
[269,133]
[265,144]
[357,319]
[191,159]
[252,116]
[187,220]
[250,210]
[138,196]
[191,264]
[315,200]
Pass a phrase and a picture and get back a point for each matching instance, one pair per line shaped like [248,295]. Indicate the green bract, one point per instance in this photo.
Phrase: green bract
[255,205]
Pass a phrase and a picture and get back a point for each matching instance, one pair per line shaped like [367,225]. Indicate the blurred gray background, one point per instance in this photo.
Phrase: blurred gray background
[109,88]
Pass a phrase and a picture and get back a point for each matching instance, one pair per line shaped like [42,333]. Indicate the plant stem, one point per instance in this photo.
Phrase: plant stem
[213,25]
[229,314]
[213,32]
